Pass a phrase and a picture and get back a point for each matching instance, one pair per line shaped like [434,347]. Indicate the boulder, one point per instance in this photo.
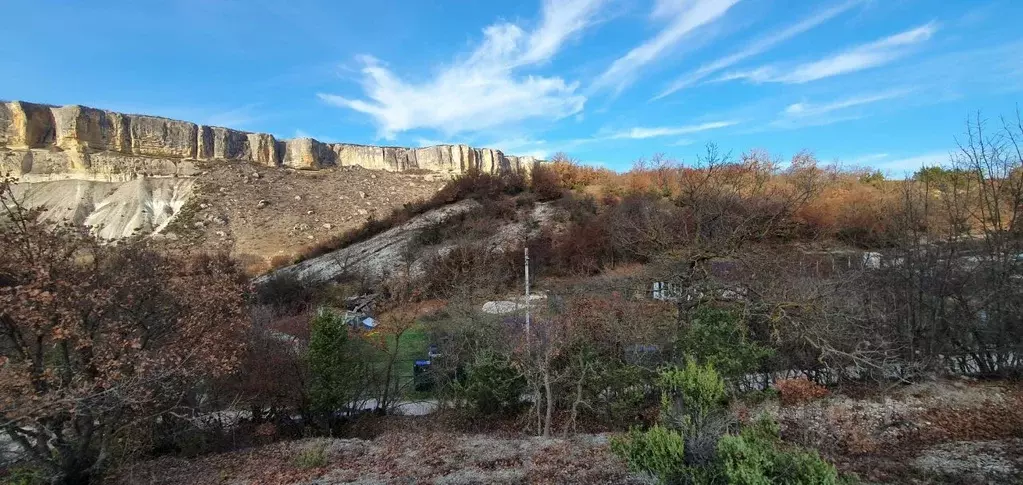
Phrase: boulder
[501,307]
[523,164]
[464,156]
[216,143]
[6,125]
[204,143]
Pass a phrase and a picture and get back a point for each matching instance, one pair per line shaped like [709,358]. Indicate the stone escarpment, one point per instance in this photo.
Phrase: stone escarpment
[48,142]
[124,174]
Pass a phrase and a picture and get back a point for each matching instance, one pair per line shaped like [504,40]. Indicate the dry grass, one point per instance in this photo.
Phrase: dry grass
[404,457]
[878,437]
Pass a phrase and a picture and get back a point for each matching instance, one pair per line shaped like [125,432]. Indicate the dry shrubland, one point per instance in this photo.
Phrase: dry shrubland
[752,275]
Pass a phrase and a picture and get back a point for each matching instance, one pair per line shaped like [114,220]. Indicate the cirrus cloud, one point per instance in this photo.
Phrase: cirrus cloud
[487,89]
[858,58]
[641,133]
[758,46]
[686,17]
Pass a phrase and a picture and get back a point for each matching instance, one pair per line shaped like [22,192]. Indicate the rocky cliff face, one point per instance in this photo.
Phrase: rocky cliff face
[46,142]
[123,175]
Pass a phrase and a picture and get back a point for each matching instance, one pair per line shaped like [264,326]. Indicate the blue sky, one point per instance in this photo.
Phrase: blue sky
[881,83]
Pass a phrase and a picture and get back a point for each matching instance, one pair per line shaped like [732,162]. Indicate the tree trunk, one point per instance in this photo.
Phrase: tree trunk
[550,402]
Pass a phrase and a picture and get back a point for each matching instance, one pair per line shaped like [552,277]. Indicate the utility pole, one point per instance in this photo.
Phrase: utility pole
[527,294]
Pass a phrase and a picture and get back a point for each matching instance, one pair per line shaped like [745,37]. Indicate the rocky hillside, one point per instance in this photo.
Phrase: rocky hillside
[114,209]
[250,193]
[259,214]
[400,249]
[379,255]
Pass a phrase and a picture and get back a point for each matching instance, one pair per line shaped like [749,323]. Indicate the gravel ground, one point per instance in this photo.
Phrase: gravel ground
[932,433]
[975,461]
[948,431]
[399,458]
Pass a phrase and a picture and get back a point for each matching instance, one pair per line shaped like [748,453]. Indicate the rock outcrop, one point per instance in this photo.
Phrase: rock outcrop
[73,141]
[379,255]
[112,210]
[387,254]
[124,174]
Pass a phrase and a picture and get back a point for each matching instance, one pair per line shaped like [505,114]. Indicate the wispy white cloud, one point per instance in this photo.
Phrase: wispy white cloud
[758,46]
[640,133]
[806,114]
[429,142]
[544,148]
[858,58]
[237,118]
[562,19]
[811,110]
[486,89]
[686,16]
[990,68]
[915,162]
[522,146]
[325,139]
[867,160]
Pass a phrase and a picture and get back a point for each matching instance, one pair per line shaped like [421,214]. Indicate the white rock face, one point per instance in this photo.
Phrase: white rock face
[112,209]
[81,132]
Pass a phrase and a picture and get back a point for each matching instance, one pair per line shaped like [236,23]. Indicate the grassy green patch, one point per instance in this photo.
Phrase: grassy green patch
[412,346]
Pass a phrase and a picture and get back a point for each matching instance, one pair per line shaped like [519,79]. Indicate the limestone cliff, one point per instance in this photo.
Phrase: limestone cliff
[47,142]
[124,174]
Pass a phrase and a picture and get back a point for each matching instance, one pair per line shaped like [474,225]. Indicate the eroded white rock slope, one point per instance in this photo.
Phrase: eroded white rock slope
[112,210]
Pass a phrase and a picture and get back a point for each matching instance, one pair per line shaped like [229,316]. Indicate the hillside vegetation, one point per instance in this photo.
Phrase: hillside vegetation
[731,320]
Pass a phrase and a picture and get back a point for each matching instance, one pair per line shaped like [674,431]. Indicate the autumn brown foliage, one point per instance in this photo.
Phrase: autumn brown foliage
[799,390]
[97,339]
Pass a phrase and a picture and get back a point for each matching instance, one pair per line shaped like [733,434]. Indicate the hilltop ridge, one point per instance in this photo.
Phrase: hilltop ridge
[74,141]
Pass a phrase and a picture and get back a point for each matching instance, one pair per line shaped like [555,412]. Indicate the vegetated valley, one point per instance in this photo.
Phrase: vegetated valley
[735,319]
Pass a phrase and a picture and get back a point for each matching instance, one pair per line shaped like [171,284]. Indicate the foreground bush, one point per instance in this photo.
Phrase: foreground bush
[694,444]
[658,451]
[312,456]
[721,338]
[98,340]
[682,448]
[493,385]
[756,456]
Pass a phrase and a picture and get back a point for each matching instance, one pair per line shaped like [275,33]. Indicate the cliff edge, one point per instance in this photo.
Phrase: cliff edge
[207,186]
[40,141]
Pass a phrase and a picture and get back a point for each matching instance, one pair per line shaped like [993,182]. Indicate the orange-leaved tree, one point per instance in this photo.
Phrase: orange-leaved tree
[95,338]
